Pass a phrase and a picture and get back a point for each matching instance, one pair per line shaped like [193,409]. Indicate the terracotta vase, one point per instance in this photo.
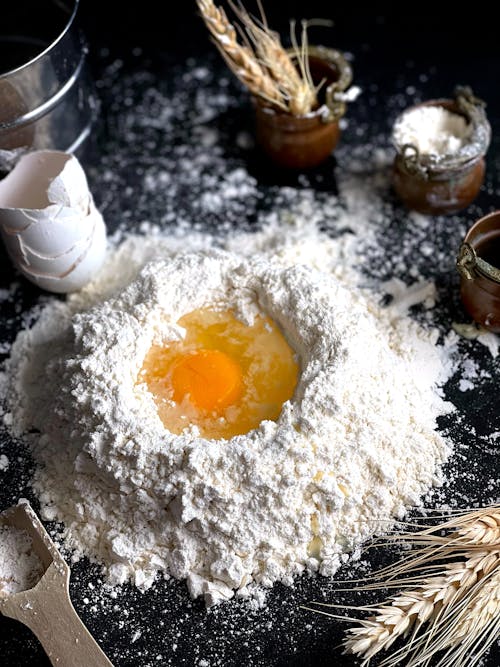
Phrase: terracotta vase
[304,142]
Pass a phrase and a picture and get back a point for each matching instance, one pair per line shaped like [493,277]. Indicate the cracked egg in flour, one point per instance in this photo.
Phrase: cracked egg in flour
[230,421]
[223,376]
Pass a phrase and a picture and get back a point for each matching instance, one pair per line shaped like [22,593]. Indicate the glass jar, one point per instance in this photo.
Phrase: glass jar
[303,142]
[479,265]
[449,183]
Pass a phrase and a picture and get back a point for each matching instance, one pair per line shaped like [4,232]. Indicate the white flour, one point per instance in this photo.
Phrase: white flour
[20,567]
[475,332]
[356,445]
[432,130]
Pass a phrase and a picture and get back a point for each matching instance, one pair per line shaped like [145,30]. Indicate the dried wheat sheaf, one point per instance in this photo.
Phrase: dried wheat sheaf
[448,605]
[259,60]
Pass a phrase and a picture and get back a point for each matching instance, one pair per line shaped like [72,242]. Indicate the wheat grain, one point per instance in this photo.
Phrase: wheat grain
[261,64]
[268,46]
[436,597]
[240,59]
[295,86]
[481,529]
[480,610]
[306,94]
[455,611]
[462,633]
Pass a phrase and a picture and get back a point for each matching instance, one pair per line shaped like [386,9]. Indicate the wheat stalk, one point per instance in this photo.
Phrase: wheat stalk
[268,46]
[478,618]
[261,63]
[450,597]
[240,59]
[296,86]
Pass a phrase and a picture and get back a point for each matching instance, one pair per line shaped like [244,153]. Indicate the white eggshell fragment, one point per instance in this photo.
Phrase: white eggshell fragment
[50,226]
[70,188]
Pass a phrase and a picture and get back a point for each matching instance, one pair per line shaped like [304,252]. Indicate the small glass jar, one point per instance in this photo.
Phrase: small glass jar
[478,263]
[304,142]
[449,183]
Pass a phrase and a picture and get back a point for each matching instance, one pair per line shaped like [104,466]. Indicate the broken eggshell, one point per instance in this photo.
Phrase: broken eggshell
[51,228]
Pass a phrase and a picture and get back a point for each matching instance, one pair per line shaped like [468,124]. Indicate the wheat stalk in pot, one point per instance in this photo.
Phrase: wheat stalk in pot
[261,63]
[449,602]
[294,82]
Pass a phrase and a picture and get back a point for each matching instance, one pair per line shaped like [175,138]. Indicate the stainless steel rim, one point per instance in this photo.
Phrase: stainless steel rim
[67,28]
[84,134]
[40,111]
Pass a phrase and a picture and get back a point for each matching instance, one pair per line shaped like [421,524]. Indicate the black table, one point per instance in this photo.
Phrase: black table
[419,50]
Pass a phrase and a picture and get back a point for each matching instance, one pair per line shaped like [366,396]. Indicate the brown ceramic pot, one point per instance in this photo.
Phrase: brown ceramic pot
[303,142]
[444,193]
[453,183]
[479,266]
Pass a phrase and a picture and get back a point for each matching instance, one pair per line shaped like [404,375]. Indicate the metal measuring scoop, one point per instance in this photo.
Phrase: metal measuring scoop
[46,608]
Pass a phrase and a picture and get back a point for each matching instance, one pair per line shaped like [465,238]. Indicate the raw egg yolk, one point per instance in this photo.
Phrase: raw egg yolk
[210,378]
[224,377]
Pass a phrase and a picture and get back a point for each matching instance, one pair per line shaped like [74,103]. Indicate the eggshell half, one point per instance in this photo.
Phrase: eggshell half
[74,269]
[53,233]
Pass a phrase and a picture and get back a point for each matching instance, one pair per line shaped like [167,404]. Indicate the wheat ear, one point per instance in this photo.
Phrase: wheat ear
[295,88]
[261,63]
[450,599]
[239,59]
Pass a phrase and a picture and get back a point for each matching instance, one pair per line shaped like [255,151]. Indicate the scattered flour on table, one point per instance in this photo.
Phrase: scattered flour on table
[471,374]
[20,567]
[357,443]
[166,149]
[474,332]
[241,514]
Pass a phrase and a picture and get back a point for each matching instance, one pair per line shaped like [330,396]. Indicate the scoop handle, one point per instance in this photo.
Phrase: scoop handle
[48,611]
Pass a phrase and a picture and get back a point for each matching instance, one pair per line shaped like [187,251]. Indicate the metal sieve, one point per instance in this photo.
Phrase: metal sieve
[47,99]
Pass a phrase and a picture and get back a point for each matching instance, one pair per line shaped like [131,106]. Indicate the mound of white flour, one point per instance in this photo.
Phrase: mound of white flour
[355,446]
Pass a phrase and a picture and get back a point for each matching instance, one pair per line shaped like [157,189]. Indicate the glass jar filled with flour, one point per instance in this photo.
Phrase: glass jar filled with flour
[440,147]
